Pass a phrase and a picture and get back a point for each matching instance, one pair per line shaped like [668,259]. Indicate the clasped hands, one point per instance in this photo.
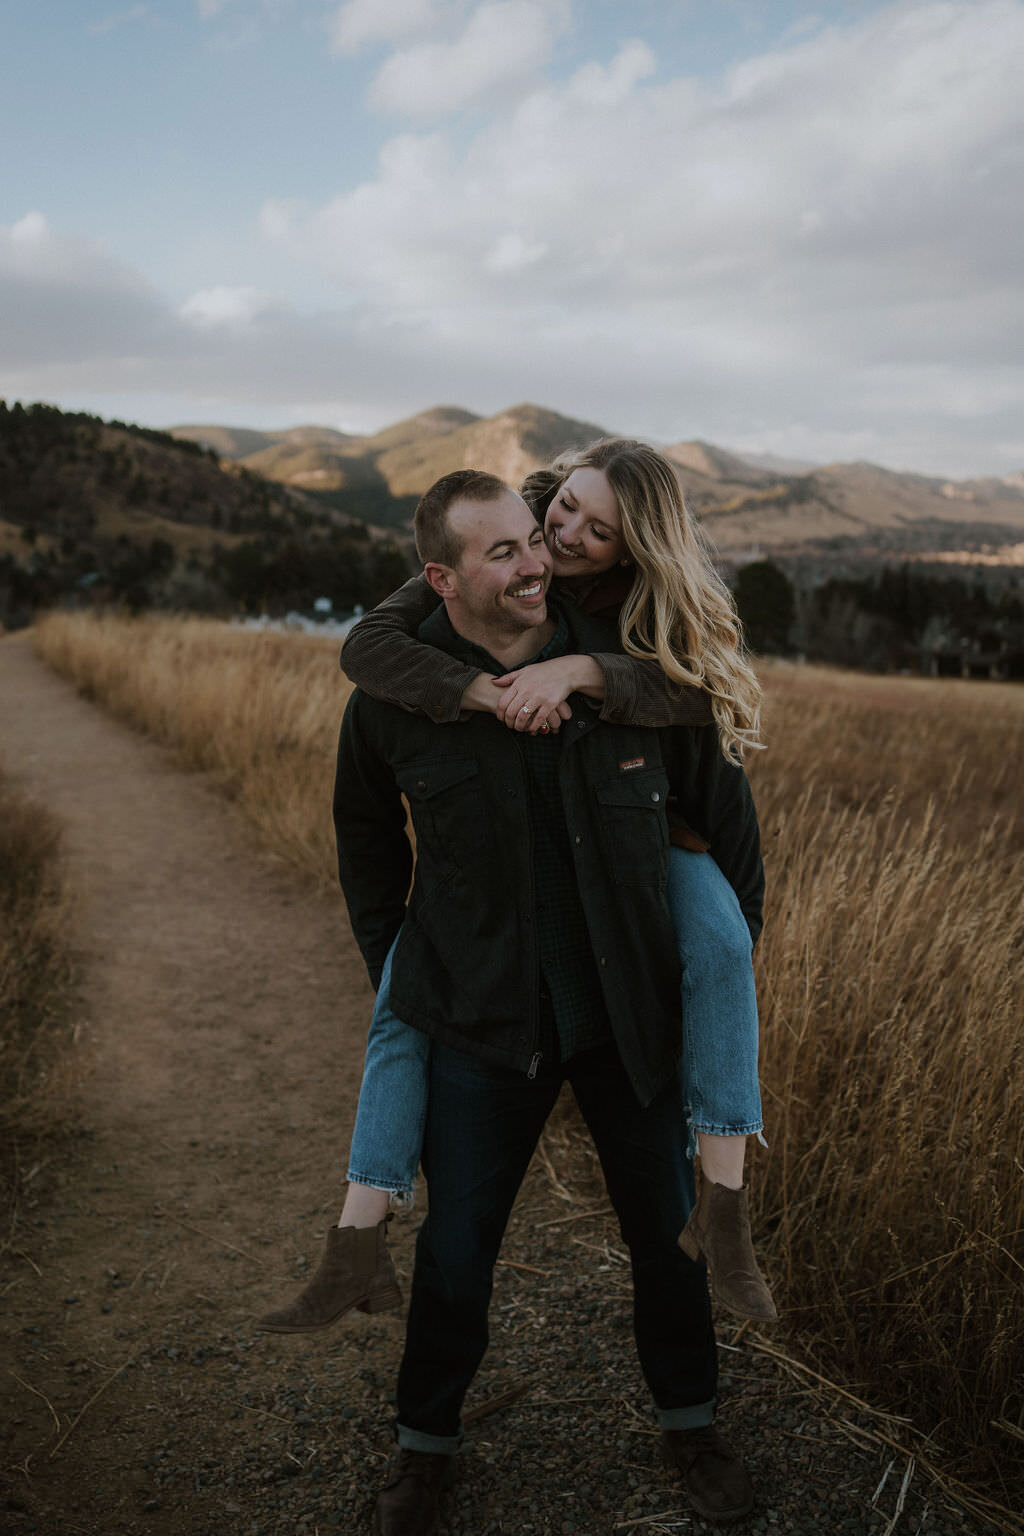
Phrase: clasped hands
[533,699]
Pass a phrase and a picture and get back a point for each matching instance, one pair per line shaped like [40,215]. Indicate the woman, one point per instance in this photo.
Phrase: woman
[621,543]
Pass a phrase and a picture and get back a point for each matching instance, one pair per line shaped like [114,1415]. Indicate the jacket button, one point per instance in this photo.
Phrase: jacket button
[604,960]
[421,786]
[582,724]
[655,797]
[577,840]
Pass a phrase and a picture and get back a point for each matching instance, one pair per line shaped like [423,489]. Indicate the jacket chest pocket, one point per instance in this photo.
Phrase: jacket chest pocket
[448,806]
[634,829]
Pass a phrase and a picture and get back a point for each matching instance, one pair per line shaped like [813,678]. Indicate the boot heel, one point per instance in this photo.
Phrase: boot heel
[690,1245]
[384,1300]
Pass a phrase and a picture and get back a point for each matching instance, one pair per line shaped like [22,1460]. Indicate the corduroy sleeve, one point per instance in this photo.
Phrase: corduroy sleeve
[638,693]
[383,657]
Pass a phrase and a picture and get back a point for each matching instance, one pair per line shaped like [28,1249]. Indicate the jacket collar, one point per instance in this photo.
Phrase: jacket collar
[576,632]
[437,630]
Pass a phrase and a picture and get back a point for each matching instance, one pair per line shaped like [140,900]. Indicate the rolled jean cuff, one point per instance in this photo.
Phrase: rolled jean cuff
[693,1416]
[403,1196]
[434,1445]
[753,1128]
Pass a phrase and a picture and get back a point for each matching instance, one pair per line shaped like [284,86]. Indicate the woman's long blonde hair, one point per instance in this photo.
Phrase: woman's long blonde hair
[679,613]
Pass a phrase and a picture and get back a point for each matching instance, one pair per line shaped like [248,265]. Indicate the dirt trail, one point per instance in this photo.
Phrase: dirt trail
[225,1007]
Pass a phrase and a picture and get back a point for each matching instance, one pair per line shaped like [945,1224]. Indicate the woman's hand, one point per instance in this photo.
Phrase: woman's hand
[483,697]
[533,698]
[480,696]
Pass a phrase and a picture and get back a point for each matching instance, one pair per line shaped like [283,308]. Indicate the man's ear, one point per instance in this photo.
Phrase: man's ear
[441,577]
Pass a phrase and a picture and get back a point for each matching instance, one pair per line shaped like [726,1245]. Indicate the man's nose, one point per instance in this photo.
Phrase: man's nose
[535,561]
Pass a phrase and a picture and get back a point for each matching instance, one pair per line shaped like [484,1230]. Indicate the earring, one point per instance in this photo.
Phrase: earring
[625,561]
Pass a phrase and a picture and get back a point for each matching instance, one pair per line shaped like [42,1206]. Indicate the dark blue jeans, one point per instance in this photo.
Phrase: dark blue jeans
[482,1125]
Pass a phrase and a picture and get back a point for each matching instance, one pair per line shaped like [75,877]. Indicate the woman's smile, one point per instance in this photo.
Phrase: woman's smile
[559,548]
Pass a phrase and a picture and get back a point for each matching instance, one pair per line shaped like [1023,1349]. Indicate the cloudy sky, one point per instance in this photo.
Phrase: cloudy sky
[778,227]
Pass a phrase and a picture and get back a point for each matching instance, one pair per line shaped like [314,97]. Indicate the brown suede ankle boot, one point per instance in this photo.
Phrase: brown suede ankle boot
[355,1271]
[719,1229]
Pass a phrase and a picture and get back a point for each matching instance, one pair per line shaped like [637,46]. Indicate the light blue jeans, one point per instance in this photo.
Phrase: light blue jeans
[392,1110]
[718,1068]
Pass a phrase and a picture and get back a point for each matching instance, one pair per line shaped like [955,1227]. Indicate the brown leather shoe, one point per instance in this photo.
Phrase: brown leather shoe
[719,1228]
[355,1271]
[410,1501]
[716,1479]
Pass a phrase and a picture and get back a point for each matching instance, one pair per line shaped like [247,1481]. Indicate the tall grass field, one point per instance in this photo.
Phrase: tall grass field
[890,1204]
[40,1060]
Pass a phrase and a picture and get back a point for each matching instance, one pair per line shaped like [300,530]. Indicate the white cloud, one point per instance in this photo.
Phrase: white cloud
[36,255]
[81,327]
[63,299]
[224,305]
[115,19]
[596,86]
[822,253]
[30,230]
[504,43]
[360,22]
[839,214]
[511,253]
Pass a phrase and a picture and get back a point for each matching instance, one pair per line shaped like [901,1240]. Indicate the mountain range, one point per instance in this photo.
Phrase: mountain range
[844,515]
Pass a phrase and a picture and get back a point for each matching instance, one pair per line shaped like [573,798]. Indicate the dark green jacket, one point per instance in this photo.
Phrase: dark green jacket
[466,969]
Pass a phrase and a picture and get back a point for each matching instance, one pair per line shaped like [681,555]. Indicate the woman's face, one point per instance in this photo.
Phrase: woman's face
[583,527]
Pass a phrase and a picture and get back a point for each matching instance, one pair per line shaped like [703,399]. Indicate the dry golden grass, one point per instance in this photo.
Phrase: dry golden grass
[891,1202]
[38,1058]
[258,712]
[890,986]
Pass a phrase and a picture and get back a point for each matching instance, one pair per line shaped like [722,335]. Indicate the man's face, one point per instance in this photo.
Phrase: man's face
[502,576]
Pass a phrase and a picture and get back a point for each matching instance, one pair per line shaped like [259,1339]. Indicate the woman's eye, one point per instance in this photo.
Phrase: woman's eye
[602,537]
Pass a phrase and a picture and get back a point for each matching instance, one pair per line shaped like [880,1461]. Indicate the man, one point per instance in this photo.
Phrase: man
[535,946]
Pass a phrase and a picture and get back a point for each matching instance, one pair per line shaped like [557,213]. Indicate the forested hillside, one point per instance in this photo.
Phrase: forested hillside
[109,512]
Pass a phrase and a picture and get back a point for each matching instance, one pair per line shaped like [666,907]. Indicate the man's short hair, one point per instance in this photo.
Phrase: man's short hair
[435,540]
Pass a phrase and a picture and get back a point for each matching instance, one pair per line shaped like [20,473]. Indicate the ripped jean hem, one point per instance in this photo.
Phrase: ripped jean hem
[754,1128]
[403,1196]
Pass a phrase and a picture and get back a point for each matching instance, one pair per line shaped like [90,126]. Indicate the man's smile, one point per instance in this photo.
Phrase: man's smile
[529,591]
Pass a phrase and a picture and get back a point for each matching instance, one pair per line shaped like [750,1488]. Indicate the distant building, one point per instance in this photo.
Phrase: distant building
[997,658]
